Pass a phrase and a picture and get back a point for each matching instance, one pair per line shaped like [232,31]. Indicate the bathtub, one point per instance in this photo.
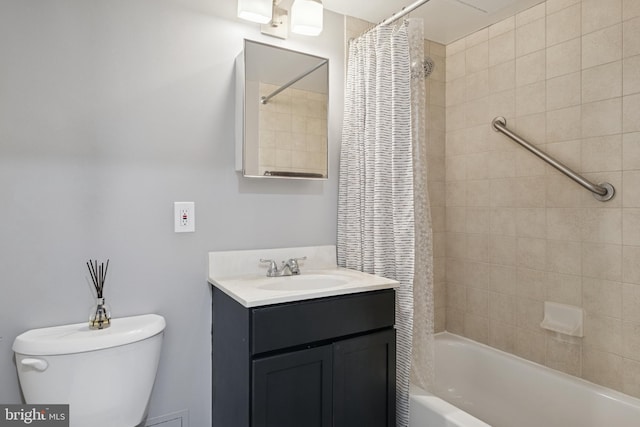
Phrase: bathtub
[479,386]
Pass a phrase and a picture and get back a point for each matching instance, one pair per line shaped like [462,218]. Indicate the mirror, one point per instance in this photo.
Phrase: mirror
[281,113]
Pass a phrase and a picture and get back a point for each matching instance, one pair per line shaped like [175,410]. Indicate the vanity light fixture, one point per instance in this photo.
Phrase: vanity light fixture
[259,11]
[306,17]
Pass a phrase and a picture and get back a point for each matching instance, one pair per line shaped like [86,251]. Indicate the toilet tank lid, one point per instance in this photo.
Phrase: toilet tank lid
[78,338]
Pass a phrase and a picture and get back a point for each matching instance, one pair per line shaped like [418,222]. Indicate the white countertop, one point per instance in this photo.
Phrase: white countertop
[253,290]
[242,276]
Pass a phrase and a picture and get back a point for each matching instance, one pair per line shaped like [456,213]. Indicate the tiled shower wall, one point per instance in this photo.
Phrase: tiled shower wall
[566,75]
[435,140]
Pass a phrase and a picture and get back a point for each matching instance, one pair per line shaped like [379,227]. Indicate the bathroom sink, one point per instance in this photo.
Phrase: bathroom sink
[305,282]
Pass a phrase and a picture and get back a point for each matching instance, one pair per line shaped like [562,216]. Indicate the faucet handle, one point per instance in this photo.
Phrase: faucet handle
[273,267]
[293,264]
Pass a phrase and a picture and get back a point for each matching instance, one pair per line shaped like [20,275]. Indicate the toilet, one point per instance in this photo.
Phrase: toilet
[105,375]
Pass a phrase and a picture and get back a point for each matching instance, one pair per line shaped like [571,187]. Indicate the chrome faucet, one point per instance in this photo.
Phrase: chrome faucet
[288,268]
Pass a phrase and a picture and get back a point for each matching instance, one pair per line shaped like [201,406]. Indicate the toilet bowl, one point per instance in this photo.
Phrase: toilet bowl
[105,376]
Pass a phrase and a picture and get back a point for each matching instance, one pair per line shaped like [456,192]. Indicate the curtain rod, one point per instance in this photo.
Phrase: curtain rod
[403,12]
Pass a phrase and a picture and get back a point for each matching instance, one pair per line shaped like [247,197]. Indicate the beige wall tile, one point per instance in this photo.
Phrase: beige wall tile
[630,9]
[631,340]
[631,189]
[564,356]
[598,14]
[476,275]
[531,99]
[602,368]
[456,297]
[564,58]
[564,257]
[476,328]
[602,225]
[631,377]
[602,117]
[454,272]
[631,226]
[502,48]
[530,345]
[503,221]
[603,333]
[631,264]
[502,76]
[532,14]
[504,26]
[532,127]
[602,261]
[502,279]
[531,253]
[477,84]
[456,66]
[456,47]
[530,37]
[563,25]
[564,91]
[631,151]
[631,302]
[631,75]
[478,193]
[478,220]
[631,113]
[530,68]
[502,308]
[564,224]
[477,58]
[602,154]
[455,321]
[564,288]
[602,82]
[631,37]
[502,250]
[502,336]
[503,192]
[503,104]
[477,247]
[531,283]
[564,124]
[531,222]
[456,247]
[529,313]
[477,303]
[456,220]
[602,297]
[602,46]
[477,37]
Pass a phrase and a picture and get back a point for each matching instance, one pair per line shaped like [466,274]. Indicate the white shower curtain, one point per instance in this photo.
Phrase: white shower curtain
[378,166]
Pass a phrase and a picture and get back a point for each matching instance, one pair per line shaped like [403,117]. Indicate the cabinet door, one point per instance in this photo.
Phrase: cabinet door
[293,389]
[364,389]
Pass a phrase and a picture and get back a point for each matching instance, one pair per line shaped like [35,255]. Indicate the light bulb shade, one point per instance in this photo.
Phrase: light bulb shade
[255,10]
[306,17]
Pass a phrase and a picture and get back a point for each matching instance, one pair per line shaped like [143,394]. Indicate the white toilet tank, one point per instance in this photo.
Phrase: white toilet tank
[105,376]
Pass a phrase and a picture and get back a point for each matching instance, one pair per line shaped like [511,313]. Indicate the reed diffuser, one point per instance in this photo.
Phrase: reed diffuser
[100,315]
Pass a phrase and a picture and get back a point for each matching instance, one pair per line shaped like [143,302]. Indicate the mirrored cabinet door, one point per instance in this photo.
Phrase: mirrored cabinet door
[282,114]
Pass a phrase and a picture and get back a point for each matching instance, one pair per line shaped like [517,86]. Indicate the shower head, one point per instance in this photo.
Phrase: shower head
[423,69]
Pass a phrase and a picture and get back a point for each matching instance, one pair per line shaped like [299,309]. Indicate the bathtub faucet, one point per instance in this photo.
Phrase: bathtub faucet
[288,268]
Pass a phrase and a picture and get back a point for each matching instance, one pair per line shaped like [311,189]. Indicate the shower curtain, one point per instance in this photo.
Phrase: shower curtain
[382,199]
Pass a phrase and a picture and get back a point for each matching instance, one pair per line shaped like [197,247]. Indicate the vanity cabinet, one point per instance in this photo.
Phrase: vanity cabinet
[325,362]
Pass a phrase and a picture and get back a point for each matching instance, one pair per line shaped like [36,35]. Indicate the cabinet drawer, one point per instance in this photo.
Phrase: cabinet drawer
[287,325]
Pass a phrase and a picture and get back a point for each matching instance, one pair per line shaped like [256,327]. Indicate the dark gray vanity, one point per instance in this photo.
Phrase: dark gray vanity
[323,362]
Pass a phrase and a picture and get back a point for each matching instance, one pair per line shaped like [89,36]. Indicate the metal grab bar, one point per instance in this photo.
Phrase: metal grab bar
[603,191]
[266,99]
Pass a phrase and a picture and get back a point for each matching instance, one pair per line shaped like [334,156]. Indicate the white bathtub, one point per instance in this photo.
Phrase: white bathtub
[503,390]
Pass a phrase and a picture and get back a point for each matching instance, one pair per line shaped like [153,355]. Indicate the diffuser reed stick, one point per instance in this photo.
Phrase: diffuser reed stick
[100,316]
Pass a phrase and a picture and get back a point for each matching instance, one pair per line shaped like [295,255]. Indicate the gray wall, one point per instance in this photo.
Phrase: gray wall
[109,112]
